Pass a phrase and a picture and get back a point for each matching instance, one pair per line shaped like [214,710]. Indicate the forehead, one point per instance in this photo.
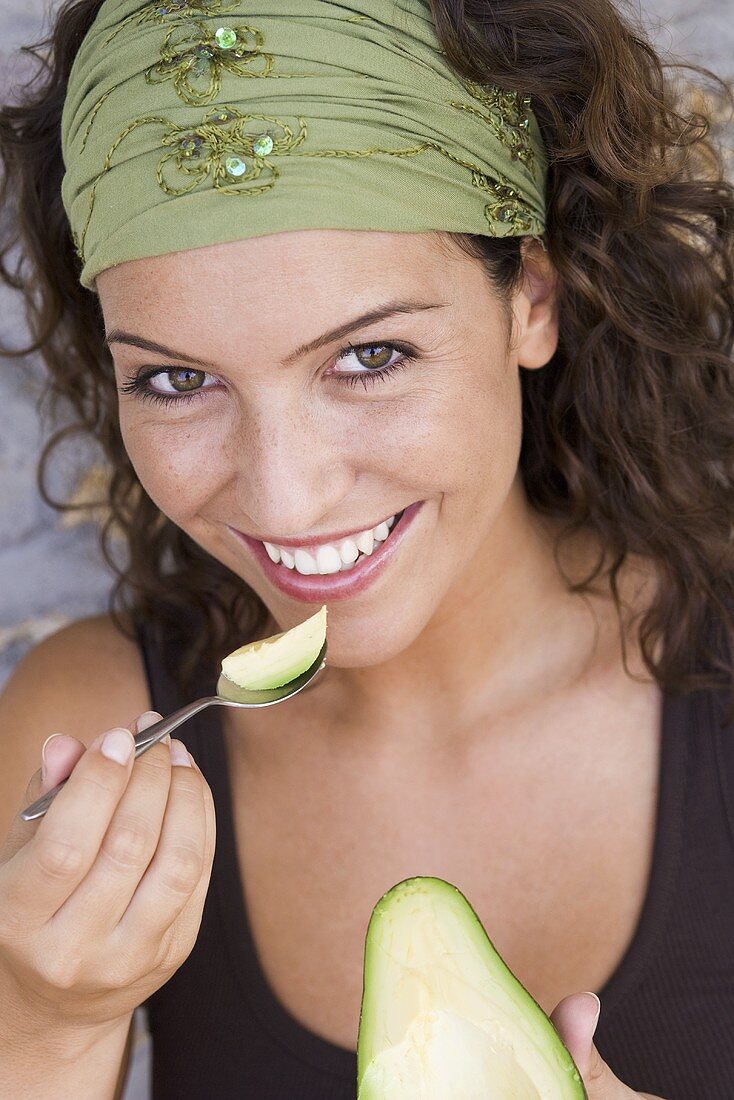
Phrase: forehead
[294,269]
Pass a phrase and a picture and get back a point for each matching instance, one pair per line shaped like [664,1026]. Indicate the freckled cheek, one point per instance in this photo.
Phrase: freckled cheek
[455,443]
[181,468]
[492,433]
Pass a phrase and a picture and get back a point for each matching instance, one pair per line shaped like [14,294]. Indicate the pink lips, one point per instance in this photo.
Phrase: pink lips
[333,586]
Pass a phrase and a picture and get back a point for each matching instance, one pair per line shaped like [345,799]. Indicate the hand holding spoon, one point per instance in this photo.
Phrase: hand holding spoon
[229,693]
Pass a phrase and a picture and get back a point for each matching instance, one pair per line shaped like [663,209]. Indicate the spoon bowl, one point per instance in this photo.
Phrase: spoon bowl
[228,694]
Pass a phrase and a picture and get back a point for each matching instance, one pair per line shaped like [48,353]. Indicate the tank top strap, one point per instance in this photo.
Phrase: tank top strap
[722,731]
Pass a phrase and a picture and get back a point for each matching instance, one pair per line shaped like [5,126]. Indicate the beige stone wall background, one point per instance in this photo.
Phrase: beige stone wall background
[50,569]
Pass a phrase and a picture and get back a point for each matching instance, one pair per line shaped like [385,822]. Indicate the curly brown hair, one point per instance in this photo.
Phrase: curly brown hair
[628,430]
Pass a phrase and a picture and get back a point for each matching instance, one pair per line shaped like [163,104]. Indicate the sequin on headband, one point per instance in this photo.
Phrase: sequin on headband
[326,115]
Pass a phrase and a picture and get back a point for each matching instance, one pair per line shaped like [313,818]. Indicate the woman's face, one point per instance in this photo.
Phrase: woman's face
[289,436]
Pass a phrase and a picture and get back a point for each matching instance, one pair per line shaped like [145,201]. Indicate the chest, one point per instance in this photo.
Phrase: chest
[550,838]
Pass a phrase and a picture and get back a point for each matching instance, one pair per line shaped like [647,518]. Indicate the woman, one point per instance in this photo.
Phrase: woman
[435,331]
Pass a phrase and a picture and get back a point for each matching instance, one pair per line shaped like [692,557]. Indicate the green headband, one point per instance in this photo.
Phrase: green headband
[192,122]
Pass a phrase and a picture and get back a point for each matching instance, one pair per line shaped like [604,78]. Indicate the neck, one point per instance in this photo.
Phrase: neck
[507,629]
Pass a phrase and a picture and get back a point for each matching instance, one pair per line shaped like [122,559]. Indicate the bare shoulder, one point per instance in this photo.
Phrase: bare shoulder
[79,680]
[84,678]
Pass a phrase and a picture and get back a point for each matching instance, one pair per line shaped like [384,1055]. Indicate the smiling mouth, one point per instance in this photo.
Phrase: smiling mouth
[333,557]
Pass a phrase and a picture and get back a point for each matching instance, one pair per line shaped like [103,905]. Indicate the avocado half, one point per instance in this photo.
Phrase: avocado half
[275,661]
[443,1017]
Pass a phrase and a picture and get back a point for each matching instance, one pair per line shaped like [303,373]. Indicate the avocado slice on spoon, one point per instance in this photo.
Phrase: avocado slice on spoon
[443,1017]
[272,662]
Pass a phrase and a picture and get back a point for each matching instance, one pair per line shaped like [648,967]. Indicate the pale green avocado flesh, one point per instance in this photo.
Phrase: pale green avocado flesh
[443,1018]
[273,662]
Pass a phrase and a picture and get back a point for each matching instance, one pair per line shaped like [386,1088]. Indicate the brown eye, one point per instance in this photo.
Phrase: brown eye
[188,377]
[371,363]
[375,355]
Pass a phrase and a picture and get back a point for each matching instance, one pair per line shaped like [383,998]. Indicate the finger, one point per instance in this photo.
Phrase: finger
[186,926]
[127,847]
[179,862]
[62,753]
[575,1019]
[184,931]
[42,875]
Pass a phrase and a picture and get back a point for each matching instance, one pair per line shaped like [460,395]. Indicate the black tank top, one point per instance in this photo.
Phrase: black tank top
[667,1019]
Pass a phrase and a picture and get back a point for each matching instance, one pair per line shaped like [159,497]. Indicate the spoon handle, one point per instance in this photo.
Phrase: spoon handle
[158,730]
[143,741]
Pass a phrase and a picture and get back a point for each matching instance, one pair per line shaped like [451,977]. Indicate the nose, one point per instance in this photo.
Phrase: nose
[295,469]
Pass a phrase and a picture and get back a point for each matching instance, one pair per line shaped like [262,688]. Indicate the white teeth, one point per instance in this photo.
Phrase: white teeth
[366,542]
[348,551]
[273,551]
[331,558]
[328,559]
[305,562]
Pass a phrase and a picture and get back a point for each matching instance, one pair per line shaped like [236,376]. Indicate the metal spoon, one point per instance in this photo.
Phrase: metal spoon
[228,695]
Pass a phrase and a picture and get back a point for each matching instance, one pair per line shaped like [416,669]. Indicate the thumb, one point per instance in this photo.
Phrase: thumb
[59,754]
[575,1019]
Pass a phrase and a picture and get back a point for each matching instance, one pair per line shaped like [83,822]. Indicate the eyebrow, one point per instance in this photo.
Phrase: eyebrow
[390,309]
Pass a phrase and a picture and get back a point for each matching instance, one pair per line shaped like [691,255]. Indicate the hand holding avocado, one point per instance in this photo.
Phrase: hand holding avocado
[444,1018]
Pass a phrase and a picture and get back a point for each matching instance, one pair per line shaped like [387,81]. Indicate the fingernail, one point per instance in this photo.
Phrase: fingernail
[44,766]
[179,755]
[598,1006]
[118,745]
[146,720]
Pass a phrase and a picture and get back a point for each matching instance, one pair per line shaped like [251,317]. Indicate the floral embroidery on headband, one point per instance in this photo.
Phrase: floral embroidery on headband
[507,115]
[222,150]
[194,58]
[229,149]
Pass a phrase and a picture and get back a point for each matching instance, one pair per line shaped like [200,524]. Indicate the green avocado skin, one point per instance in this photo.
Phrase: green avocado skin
[428,958]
